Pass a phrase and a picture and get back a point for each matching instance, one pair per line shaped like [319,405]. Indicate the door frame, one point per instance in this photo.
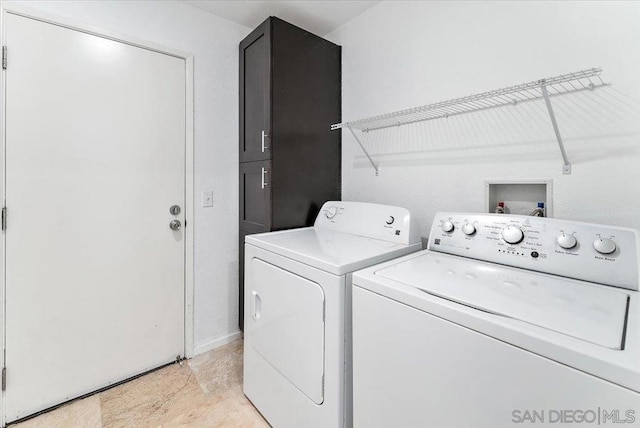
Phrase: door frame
[9,7]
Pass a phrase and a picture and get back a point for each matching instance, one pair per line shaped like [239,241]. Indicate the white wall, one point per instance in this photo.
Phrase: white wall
[404,54]
[214,43]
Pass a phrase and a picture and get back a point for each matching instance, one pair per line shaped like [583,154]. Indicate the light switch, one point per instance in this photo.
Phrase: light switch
[207,198]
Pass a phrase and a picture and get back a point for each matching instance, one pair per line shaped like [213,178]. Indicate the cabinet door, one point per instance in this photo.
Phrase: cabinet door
[255,94]
[255,196]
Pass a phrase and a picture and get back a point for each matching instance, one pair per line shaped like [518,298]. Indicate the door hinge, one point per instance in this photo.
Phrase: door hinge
[4,218]
[4,57]
[4,378]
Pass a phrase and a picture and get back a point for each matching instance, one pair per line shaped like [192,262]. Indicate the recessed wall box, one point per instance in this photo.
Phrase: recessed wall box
[519,196]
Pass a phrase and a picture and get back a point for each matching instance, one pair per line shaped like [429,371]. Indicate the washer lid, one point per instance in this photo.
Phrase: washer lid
[590,312]
[334,252]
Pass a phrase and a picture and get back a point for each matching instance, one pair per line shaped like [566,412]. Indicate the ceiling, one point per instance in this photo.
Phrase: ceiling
[318,17]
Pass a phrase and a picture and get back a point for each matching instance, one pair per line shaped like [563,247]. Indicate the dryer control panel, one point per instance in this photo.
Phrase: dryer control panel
[385,222]
[590,252]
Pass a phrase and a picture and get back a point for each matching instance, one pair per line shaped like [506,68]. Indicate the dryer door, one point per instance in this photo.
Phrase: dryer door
[286,322]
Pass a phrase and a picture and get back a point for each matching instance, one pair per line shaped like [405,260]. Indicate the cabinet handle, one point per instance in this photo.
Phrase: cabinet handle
[264,135]
[264,180]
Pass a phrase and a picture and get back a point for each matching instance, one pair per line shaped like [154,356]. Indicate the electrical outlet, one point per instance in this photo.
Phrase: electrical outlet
[207,198]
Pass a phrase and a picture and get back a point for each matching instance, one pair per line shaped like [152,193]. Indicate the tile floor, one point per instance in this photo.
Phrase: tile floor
[205,391]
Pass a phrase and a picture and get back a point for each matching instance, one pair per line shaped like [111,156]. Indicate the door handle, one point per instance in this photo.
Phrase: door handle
[264,180]
[175,225]
[264,135]
[256,305]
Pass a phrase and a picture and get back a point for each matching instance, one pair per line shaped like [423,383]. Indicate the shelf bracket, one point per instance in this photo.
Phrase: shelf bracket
[566,167]
[363,149]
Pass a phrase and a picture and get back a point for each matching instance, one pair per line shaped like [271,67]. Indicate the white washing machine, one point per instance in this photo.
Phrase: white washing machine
[297,309]
[504,321]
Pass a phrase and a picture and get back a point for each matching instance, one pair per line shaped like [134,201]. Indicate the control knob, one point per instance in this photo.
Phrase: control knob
[604,245]
[512,234]
[390,220]
[567,241]
[331,212]
[448,226]
[468,229]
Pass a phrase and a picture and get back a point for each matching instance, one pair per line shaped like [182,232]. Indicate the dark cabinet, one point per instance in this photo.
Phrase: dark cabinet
[290,160]
[255,196]
[255,94]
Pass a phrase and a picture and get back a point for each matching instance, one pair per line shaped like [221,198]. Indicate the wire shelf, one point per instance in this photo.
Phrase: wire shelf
[543,89]
[559,85]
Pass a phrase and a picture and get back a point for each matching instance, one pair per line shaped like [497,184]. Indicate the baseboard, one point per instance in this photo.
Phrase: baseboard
[216,343]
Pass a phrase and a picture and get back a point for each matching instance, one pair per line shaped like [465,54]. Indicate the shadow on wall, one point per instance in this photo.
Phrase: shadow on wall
[596,124]
[232,295]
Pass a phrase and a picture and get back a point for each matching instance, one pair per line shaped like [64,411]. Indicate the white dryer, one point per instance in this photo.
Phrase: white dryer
[504,321]
[297,309]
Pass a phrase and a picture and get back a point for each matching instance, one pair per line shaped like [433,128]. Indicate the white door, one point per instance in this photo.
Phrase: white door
[95,157]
